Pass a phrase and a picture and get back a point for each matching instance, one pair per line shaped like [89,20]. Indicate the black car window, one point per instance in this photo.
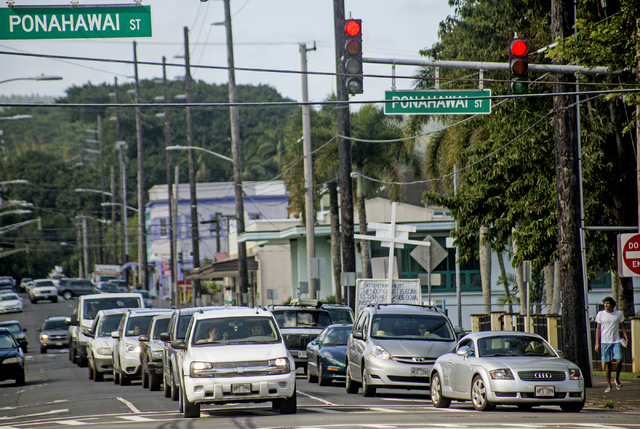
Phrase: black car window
[92,306]
[340,315]
[337,336]
[44,283]
[14,328]
[302,318]
[7,342]
[160,327]
[109,324]
[183,324]
[138,325]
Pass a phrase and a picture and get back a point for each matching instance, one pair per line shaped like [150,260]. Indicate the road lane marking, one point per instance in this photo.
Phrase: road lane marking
[66,410]
[317,398]
[128,404]
[137,418]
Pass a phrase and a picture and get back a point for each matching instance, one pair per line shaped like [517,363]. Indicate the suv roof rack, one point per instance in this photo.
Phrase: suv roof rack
[377,306]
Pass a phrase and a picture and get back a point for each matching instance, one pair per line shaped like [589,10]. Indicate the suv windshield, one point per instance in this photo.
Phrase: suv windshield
[39,283]
[54,325]
[340,315]
[301,318]
[109,324]
[161,326]
[515,345]
[92,306]
[138,325]
[411,326]
[235,330]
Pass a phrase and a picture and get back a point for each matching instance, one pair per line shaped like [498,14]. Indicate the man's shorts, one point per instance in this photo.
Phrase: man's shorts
[609,349]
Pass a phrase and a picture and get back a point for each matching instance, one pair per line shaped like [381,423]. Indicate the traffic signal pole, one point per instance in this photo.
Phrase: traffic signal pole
[344,151]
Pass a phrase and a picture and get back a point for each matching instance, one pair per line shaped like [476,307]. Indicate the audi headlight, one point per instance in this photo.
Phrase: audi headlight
[380,353]
[200,369]
[574,374]
[12,360]
[131,348]
[501,374]
[104,351]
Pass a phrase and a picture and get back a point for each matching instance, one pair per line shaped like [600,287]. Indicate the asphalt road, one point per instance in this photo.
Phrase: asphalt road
[59,393]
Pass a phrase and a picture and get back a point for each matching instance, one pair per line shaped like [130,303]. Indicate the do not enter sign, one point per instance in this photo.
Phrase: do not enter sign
[629,255]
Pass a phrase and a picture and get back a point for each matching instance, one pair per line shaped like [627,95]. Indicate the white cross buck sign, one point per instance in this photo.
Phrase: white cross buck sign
[392,236]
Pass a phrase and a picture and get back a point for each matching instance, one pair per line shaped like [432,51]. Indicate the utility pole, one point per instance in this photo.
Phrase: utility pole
[85,247]
[102,188]
[574,326]
[142,235]
[174,216]
[119,143]
[113,214]
[308,170]
[236,153]
[167,139]
[195,239]
[344,150]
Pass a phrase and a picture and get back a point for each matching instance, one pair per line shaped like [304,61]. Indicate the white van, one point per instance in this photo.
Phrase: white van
[81,320]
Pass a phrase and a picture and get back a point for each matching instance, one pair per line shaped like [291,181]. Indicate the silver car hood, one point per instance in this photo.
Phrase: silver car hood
[526,363]
[414,348]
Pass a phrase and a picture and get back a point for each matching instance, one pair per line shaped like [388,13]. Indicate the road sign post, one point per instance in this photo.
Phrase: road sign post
[75,22]
[458,102]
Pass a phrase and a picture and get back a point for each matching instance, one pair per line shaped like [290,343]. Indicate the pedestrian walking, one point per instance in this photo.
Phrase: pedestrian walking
[608,323]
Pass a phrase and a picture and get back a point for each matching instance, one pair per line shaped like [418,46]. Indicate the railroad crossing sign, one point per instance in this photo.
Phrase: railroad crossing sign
[75,22]
[458,102]
[629,255]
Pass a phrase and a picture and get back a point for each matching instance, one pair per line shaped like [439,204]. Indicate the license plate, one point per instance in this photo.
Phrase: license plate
[545,391]
[241,388]
[302,354]
[419,372]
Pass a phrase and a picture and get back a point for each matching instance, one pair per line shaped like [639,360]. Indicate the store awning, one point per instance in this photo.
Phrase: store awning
[219,270]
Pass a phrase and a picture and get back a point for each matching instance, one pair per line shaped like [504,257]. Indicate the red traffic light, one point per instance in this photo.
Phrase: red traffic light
[519,48]
[352,28]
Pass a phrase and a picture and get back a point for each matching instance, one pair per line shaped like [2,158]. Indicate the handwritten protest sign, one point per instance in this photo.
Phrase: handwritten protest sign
[377,291]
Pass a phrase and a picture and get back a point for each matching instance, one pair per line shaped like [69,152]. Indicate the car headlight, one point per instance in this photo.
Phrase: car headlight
[104,350]
[279,366]
[12,360]
[200,369]
[131,348]
[574,374]
[44,337]
[380,353]
[501,374]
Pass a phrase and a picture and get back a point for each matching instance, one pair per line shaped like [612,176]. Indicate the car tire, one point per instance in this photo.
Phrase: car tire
[351,386]
[145,378]
[175,393]
[525,407]
[321,380]
[90,372]
[67,295]
[116,377]
[367,389]
[54,299]
[167,387]
[190,410]
[20,381]
[83,362]
[33,301]
[311,378]
[43,350]
[97,375]
[479,395]
[437,399]
[72,352]
[25,349]
[572,407]
[124,379]
[289,405]
[154,382]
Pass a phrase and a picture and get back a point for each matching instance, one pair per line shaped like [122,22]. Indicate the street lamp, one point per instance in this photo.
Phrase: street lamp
[14,182]
[120,204]
[16,117]
[41,77]
[15,212]
[178,147]
[95,191]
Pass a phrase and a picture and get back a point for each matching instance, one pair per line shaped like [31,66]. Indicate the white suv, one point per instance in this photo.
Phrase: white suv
[235,355]
[100,344]
[126,350]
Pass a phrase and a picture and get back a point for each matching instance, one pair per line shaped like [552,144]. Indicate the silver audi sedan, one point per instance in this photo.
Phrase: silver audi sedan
[506,367]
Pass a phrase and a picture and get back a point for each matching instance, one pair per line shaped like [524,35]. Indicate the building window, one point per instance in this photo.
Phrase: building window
[163,227]
[254,216]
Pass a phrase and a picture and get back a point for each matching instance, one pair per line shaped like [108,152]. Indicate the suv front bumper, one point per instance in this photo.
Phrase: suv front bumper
[255,389]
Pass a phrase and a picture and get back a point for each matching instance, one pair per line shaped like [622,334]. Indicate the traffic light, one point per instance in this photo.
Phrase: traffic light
[519,65]
[352,56]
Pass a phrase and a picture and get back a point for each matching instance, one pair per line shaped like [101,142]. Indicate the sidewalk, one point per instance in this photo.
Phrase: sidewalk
[627,398]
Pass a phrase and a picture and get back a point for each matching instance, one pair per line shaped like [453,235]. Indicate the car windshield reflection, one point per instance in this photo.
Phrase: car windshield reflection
[507,345]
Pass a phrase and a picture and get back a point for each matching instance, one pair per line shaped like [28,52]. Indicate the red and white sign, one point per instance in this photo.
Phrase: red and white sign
[629,255]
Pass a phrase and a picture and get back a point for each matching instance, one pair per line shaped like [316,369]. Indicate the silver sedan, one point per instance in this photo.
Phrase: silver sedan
[506,367]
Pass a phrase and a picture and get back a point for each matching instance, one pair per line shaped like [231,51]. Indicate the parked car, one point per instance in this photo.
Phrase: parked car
[148,301]
[10,303]
[100,343]
[43,289]
[506,367]
[151,348]
[54,334]
[339,313]
[395,346]
[176,330]
[18,333]
[12,358]
[248,363]
[126,350]
[82,319]
[326,355]
[73,288]
[106,287]
[300,324]
[8,283]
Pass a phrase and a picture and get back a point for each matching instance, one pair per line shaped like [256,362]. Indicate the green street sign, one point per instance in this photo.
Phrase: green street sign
[75,22]
[458,102]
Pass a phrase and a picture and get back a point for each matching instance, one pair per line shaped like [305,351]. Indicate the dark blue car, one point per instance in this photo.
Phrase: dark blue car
[11,358]
[326,355]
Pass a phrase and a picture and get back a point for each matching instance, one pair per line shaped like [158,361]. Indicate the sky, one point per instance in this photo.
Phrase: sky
[266,35]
